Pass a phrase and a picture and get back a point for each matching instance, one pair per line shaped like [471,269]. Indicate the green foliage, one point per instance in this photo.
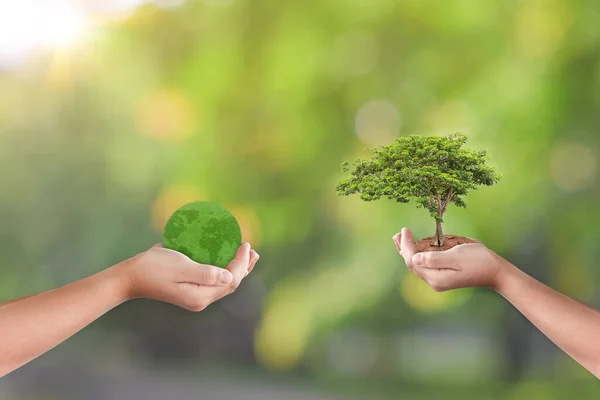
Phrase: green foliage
[433,170]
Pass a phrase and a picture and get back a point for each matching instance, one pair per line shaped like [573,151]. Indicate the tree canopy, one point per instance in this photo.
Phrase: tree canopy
[433,170]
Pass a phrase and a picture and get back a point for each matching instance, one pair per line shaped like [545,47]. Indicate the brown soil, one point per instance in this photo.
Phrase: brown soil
[450,241]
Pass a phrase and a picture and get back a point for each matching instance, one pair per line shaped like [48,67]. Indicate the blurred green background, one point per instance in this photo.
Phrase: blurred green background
[115,113]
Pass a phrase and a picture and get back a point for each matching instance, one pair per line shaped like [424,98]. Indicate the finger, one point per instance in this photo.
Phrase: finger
[254,263]
[240,263]
[408,247]
[253,260]
[439,280]
[435,260]
[253,257]
[205,275]
[158,245]
[396,239]
[238,268]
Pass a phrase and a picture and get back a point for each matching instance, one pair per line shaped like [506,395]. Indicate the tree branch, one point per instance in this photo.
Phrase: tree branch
[447,200]
[439,201]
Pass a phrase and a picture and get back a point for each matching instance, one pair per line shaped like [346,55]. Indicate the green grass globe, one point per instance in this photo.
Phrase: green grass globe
[205,232]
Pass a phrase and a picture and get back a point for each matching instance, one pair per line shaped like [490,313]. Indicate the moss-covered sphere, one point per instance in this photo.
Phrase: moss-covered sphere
[205,232]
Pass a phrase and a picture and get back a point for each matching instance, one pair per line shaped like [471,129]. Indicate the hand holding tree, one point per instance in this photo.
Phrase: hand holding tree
[467,265]
[474,265]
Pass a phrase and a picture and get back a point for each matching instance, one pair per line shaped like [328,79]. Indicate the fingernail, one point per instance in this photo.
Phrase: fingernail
[417,259]
[226,276]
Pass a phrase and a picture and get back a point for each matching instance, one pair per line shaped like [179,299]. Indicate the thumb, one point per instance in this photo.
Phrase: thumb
[407,244]
[239,265]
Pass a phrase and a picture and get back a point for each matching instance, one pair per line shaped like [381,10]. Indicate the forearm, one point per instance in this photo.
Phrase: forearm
[587,306]
[571,325]
[33,325]
[15,300]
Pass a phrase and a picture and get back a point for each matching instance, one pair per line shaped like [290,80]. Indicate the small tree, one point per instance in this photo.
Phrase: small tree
[434,171]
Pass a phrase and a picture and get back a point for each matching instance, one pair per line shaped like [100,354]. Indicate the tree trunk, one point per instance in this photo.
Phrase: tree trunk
[439,234]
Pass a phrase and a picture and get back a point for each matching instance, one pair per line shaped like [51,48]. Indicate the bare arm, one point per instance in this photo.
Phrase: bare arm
[570,324]
[32,325]
[36,324]
[15,300]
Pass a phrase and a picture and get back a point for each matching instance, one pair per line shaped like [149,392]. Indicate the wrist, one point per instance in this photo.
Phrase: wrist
[118,278]
[506,278]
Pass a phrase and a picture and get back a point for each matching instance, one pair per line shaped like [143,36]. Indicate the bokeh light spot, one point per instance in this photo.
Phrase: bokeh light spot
[540,27]
[284,332]
[170,200]
[377,122]
[166,114]
[422,298]
[249,223]
[573,166]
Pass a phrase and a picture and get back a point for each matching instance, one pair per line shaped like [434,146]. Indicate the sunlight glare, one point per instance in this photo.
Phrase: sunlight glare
[28,25]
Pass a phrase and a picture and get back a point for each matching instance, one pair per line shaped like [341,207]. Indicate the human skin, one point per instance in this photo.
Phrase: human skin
[571,325]
[32,325]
